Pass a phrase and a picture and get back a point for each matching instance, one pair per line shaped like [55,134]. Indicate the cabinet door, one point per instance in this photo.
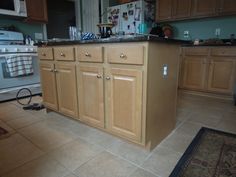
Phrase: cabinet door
[48,82]
[37,10]
[67,89]
[221,75]
[91,99]
[194,72]
[124,89]
[163,10]
[227,7]
[204,8]
[181,8]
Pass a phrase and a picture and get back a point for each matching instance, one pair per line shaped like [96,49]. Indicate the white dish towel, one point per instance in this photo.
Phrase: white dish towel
[19,65]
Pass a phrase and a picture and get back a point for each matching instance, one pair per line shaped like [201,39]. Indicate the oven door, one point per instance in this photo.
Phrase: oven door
[10,85]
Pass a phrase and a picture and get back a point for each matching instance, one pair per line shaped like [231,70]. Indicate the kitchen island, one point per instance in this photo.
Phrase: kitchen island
[126,87]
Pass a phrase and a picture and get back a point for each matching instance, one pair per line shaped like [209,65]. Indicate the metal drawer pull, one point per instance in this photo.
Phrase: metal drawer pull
[108,78]
[87,54]
[55,70]
[122,55]
[62,54]
[99,76]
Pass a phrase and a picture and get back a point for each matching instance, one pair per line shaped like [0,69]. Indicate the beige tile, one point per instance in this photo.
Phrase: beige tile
[189,128]
[24,121]
[105,165]
[162,161]
[75,153]
[71,175]
[41,167]
[177,142]
[142,173]
[15,151]
[129,151]
[227,126]
[46,136]
[6,127]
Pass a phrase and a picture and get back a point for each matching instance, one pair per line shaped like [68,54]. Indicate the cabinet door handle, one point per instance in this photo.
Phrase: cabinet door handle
[62,54]
[99,76]
[122,55]
[108,78]
[87,54]
[55,70]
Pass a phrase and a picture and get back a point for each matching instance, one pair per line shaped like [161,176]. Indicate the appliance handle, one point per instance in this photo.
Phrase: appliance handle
[19,54]
[17,6]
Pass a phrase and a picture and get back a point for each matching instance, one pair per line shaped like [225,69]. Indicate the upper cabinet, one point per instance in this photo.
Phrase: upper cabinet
[172,10]
[37,11]
[204,8]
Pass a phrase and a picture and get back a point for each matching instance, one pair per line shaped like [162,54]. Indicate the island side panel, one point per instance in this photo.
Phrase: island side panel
[161,91]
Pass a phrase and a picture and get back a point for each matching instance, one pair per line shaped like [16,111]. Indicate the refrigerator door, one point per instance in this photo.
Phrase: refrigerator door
[113,16]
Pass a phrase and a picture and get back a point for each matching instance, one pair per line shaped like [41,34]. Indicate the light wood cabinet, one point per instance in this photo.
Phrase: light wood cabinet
[124,89]
[37,11]
[209,69]
[48,84]
[91,98]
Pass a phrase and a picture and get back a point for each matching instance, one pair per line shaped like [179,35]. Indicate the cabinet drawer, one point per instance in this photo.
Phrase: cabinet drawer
[196,51]
[90,53]
[223,51]
[64,53]
[45,53]
[125,54]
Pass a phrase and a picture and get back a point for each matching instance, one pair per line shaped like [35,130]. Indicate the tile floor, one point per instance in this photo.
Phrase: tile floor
[51,145]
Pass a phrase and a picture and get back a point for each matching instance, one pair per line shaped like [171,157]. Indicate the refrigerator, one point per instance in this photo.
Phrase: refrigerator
[127,17]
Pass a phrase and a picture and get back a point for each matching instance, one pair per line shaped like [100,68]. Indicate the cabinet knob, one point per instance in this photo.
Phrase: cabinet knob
[62,54]
[122,55]
[99,76]
[108,78]
[55,70]
[87,54]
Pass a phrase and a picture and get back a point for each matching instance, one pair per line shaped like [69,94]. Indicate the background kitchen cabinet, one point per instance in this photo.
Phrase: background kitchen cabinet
[91,98]
[204,8]
[37,11]
[48,83]
[163,10]
[227,7]
[124,88]
[181,8]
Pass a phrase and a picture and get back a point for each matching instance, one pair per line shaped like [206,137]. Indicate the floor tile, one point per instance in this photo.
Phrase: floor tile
[71,175]
[41,167]
[105,165]
[142,173]
[189,128]
[162,161]
[7,127]
[15,151]
[75,153]
[129,151]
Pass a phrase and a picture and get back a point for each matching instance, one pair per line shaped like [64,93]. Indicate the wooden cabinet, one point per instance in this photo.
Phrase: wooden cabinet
[227,7]
[194,72]
[91,98]
[209,69]
[124,88]
[181,8]
[48,84]
[204,8]
[37,10]
[163,10]
[66,89]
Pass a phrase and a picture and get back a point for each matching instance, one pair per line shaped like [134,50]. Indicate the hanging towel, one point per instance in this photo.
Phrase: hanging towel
[19,65]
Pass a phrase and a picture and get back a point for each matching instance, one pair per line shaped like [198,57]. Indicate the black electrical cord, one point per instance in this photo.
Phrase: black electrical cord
[18,98]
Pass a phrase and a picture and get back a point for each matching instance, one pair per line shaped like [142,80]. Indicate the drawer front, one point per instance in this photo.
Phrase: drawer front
[196,51]
[223,51]
[64,53]
[90,53]
[45,53]
[126,54]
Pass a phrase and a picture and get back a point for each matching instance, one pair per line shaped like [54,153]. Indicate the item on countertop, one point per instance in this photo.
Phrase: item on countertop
[213,41]
[105,29]
[142,28]
[88,36]
[157,31]
[167,30]
[73,33]
[196,42]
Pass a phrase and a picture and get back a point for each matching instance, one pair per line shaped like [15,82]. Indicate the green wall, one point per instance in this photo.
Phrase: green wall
[25,28]
[205,28]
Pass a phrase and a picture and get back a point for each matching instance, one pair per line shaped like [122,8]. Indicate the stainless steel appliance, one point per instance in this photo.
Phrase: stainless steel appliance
[13,7]
[12,44]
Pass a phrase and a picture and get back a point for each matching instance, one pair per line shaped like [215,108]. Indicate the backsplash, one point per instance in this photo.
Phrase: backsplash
[205,28]
[25,28]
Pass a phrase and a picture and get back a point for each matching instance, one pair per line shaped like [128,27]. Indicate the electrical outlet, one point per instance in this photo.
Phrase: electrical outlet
[217,32]
[186,34]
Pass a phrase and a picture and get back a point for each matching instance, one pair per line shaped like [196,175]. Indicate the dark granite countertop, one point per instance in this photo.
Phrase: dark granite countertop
[136,38]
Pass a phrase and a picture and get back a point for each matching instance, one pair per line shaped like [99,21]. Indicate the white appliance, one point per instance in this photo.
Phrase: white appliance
[13,7]
[127,17]
[12,44]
